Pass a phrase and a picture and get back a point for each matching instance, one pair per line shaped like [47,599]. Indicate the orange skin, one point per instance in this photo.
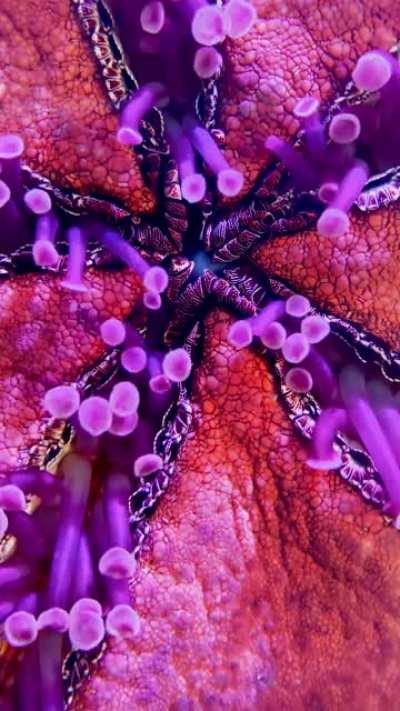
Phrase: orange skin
[355,276]
[264,584]
[52,95]
[47,339]
[297,47]
[267,585]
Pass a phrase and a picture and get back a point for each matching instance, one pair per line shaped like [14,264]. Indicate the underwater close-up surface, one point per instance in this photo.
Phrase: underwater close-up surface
[199,355]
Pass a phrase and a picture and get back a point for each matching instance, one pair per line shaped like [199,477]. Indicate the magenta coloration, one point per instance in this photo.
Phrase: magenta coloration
[123,621]
[152,300]
[229,181]
[121,249]
[344,128]
[86,604]
[147,464]
[323,454]
[240,334]
[95,415]
[273,335]
[173,32]
[55,618]
[92,516]
[12,498]
[156,279]
[239,18]
[38,201]
[123,426]
[299,380]
[208,25]
[315,328]
[207,62]
[113,332]
[297,305]
[62,401]
[372,72]
[152,17]
[363,418]
[295,348]
[193,187]
[124,399]
[3,523]
[134,359]
[86,630]
[76,261]
[160,384]
[44,251]
[333,223]
[272,312]
[193,184]
[117,563]
[152,94]
[328,192]
[5,193]
[177,365]
[11,146]
[20,629]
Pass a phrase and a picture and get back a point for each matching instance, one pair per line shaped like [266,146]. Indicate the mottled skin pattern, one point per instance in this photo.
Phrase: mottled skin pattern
[297,47]
[355,277]
[264,584]
[267,585]
[54,99]
[50,335]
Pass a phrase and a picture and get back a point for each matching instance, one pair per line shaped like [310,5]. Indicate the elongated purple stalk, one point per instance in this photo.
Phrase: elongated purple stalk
[323,376]
[387,413]
[121,249]
[193,184]
[307,111]
[229,181]
[323,456]
[116,496]
[84,583]
[351,186]
[272,312]
[50,661]
[26,529]
[205,145]
[44,251]
[14,577]
[152,94]
[28,687]
[76,260]
[365,422]
[77,476]
[40,483]
[297,165]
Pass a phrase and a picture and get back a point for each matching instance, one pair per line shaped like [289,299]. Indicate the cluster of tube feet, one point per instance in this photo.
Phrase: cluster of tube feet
[52,526]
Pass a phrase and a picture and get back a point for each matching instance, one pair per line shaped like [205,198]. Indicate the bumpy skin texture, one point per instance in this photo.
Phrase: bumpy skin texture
[49,336]
[297,47]
[267,585]
[355,276]
[53,96]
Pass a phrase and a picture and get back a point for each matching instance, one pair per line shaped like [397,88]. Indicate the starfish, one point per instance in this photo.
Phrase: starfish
[261,581]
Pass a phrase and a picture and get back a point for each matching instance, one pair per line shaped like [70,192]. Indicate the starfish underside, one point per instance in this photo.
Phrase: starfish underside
[263,583]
